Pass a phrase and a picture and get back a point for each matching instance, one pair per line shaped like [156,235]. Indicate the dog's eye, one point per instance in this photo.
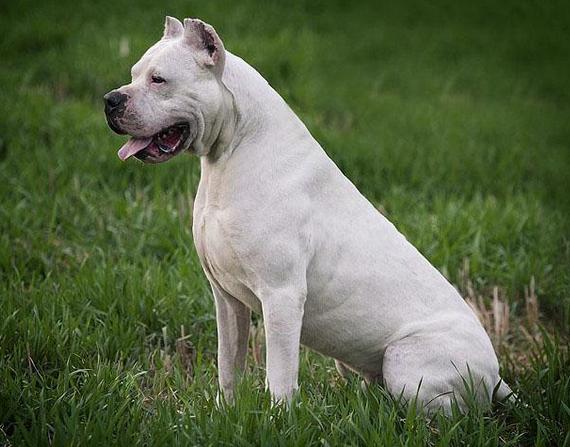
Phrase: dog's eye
[157,80]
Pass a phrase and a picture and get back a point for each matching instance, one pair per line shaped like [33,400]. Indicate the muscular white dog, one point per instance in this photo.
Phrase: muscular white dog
[281,231]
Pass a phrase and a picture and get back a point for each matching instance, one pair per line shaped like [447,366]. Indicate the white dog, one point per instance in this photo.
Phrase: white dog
[281,231]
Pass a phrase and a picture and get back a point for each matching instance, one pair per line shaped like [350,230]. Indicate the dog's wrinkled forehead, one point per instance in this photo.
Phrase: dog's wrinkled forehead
[164,58]
[192,45]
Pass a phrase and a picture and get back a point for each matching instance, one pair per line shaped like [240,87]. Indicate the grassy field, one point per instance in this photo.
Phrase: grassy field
[452,117]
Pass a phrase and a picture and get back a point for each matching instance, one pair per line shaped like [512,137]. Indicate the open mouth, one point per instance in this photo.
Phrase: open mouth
[159,147]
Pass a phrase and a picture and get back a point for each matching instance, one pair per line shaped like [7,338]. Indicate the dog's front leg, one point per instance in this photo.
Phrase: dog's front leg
[233,320]
[282,318]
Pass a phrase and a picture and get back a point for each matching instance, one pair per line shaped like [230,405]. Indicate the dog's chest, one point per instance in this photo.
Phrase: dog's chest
[218,258]
[211,243]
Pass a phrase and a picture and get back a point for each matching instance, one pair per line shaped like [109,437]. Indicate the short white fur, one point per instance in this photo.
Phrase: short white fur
[280,230]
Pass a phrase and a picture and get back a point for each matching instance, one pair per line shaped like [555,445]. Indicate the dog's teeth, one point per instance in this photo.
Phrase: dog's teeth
[165,149]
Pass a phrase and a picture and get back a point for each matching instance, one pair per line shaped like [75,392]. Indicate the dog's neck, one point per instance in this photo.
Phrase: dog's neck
[249,108]
[259,137]
[219,133]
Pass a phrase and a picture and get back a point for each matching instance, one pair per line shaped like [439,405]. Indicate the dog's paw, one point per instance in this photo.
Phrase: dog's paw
[224,398]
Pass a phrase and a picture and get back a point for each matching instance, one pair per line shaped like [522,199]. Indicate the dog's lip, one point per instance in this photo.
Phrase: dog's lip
[169,141]
[115,128]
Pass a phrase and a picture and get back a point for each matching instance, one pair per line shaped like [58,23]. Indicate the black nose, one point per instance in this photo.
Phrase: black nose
[114,100]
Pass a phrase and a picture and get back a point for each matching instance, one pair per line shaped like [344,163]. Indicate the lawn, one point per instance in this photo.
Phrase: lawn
[453,118]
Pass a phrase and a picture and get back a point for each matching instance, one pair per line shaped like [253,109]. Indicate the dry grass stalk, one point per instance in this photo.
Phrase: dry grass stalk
[494,311]
[493,314]
[501,316]
[186,353]
[531,303]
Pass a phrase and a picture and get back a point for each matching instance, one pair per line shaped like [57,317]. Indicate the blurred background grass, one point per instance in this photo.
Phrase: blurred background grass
[452,117]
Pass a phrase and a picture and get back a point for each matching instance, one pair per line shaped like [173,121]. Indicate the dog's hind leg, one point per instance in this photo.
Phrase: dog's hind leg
[436,374]
[409,377]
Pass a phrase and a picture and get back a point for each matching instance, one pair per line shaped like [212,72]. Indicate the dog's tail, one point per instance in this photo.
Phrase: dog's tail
[503,392]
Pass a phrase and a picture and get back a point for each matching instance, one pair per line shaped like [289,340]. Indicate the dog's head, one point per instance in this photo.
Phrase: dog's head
[174,96]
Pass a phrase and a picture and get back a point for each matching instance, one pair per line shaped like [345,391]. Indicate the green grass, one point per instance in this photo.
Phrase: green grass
[452,117]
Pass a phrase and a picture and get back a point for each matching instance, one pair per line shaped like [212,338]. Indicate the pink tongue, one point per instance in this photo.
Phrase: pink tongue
[133,146]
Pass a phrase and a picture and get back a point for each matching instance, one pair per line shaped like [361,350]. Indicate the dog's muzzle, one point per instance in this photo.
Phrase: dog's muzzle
[115,105]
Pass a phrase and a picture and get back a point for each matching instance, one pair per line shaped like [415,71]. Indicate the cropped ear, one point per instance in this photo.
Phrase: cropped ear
[204,39]
[172,28]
